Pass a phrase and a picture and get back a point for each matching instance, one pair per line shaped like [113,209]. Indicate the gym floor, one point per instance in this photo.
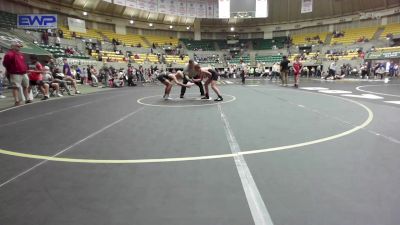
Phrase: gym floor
[325,154]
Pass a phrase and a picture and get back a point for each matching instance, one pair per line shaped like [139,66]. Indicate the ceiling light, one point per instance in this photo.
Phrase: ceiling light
[131,21]
[232,29]
[188,28]
[85,13]
[150,24]
[170,27]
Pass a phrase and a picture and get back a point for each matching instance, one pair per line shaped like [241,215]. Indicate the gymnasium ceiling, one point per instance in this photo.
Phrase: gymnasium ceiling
[280,11]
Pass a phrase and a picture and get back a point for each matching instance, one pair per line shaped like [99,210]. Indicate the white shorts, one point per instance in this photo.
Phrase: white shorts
[18,80]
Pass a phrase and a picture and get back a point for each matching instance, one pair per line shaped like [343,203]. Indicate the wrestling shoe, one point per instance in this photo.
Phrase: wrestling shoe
[218,99]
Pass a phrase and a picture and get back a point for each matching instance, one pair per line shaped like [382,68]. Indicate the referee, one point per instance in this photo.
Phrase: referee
[189,74]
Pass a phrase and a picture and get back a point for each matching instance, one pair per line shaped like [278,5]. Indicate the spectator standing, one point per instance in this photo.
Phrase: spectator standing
[130,76]
[89,74]
[83,75]
[14,62]
[58,41]
[1,84]
[391,69]
[284,70]
[45,37]
[364,71]
[60,33]
[243,71]
[94,74]
[319,71]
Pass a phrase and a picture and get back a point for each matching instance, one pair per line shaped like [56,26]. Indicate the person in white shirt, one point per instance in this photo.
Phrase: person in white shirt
[332,70]
[189,75]
[275,71]
[58,41]
[381,71]
[319,72]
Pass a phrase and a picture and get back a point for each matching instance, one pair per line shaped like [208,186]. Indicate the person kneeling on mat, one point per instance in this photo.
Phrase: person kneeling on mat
[168,78]
[212,77]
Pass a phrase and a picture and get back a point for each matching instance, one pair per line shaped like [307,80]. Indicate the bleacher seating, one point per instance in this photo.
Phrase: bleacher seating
[90,34]
[352,35]
[308,38]
[59,52]
[267,44]
[268,58]
[204,45]
[108,55]
[262,44]
[66,32]
[176,59]
[306,56]
[128,39]
[280,41]
[8,19]
[145,57]
[393,28]
[207,58]
[236,60]
[222,44]
[161,40]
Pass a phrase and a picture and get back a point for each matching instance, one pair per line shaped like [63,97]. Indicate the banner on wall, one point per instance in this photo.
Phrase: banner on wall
[216,8]
[76,25]
[306,6]
[191,8]
[210,8]
[142,4]
[201,9]
[120,2]
[37,21]
[261,8]
[131,3]
[226,6]
[182,10]
[384,55]
[173,6]
[152,5]
[164,6]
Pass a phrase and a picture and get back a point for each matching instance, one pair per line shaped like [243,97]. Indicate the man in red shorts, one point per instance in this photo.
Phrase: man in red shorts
[36,77]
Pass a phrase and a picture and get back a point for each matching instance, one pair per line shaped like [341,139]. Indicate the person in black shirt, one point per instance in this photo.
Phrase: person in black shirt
[284,70]
[168,79]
